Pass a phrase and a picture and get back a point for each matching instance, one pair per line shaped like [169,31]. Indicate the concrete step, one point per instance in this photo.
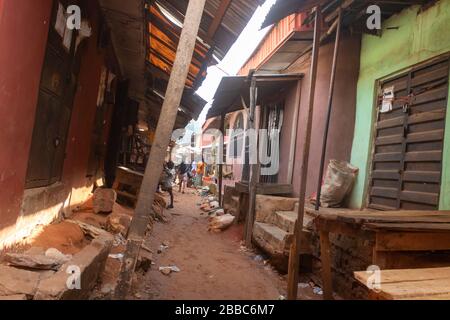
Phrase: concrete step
[286,220]
[271,238]
[276,241]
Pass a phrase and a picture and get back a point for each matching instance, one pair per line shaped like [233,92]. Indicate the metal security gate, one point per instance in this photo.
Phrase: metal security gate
[409,139]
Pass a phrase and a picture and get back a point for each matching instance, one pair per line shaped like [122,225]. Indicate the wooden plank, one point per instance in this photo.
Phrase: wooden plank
[426,116]
[431,95]
[222,159]
[426,283]
[393,213]
[441,296]
[386,174]
[441,73]
[420,156]
[380,207]
[412,288]
[409,284]
[293,271]
[420,197]
[400,275]
[218,17]
[422,176]
[390,123]
[426,136]
[394,219]
[388,157]
[325,257]
[386,140]
[384,192]
[408,227]
[413,241]
[255,171]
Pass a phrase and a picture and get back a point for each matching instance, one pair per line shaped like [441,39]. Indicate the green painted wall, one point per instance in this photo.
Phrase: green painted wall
[419,38]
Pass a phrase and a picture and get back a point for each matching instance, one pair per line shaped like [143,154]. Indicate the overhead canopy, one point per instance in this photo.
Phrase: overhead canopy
[288,52]
[164,36]
[232,90]
[284,8]
[354,10]
[222,23]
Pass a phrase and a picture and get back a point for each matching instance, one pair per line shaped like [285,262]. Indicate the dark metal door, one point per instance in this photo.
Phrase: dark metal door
[56,94]
[408,145]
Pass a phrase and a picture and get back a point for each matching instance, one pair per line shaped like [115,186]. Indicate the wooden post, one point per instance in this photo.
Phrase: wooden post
[295,252]
[294,134]
[158,151]
[254,177]
[325,257]
[222,129]
[330,105]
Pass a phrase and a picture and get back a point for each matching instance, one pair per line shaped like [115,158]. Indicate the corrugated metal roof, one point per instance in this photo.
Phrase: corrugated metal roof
[354,10]
[280,46]
[282,9]
[164,21]
[234,20]
[232,90]
[164,36]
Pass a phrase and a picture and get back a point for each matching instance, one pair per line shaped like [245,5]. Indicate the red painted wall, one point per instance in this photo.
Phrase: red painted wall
[344,105]
[23,38]
[83,115]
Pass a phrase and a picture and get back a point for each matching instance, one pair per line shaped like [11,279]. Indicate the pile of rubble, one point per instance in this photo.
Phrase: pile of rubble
[218,219]
[48,274]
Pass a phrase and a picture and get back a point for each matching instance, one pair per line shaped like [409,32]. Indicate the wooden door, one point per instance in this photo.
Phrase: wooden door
[56,94]
[408,143]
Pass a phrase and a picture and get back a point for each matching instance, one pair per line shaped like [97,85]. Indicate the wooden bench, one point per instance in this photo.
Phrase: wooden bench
[391,232]
[128,183]
[408,284]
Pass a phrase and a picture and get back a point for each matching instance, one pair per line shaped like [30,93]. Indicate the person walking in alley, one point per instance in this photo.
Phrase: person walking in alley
[168,180]
[200,172]
[183,171]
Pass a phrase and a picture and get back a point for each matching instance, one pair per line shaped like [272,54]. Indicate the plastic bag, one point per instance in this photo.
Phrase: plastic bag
[337,184]
[221,222]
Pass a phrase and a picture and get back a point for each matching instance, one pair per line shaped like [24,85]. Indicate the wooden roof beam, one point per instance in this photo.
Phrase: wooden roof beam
[218,18]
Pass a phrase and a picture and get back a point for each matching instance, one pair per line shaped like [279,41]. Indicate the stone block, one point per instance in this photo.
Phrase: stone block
[15,281]
[90,261]
[267,206]
[104,200]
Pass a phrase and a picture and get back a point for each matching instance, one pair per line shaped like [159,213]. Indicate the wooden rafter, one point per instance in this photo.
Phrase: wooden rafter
[218,18]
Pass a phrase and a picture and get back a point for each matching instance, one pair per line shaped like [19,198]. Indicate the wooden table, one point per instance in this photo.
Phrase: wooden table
[390,231]
[408,284]
[130,178]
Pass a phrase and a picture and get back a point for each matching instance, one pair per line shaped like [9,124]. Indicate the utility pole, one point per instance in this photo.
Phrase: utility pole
[294,265]
[158,151]
[330,107]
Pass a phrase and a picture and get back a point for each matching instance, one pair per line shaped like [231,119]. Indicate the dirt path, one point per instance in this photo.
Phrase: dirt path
[213,266]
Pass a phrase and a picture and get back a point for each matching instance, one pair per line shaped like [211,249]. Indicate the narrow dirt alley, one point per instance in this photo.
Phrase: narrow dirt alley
[213,265]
